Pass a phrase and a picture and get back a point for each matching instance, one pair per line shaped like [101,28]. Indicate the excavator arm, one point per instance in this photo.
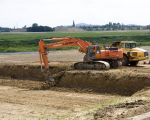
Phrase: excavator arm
[61,42]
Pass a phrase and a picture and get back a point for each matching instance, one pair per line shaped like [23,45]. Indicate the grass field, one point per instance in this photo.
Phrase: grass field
[21,42]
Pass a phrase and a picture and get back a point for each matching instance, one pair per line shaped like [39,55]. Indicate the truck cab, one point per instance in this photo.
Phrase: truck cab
[131,53]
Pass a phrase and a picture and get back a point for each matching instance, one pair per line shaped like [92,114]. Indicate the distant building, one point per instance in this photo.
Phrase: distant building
[68,29]
[23,29]
[19,30]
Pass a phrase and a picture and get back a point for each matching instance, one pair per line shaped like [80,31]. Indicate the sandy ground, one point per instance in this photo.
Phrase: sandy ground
[25,104]
[31,104]
[33,57]
[22,104]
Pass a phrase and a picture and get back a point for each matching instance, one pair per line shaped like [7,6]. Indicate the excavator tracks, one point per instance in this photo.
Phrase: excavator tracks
[95,65]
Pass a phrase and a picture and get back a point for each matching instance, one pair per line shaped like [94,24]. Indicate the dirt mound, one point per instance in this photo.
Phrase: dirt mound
[122,111]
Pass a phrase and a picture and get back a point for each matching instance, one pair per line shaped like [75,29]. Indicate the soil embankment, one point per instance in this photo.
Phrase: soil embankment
[117,81]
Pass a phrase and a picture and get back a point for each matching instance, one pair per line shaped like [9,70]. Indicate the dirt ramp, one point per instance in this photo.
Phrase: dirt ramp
[105,81]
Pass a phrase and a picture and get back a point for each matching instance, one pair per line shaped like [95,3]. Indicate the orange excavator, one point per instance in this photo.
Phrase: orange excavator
[94,58]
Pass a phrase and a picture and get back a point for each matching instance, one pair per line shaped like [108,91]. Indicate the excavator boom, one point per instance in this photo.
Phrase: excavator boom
[64,42]
[61,42]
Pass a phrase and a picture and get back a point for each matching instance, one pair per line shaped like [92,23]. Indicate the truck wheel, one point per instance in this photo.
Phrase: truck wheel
[134,63]
[125,61]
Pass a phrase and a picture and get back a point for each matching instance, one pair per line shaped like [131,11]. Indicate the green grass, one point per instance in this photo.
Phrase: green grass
[21,42]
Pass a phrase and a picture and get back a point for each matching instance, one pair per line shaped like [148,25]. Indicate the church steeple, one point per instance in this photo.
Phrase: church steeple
[73,25]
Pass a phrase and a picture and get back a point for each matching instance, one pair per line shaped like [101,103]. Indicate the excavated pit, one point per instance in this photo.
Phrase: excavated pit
[117,81]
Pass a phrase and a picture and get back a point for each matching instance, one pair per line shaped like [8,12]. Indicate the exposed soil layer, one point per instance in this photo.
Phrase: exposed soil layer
[25,84]
[106,81]
[27,72]
[116,81]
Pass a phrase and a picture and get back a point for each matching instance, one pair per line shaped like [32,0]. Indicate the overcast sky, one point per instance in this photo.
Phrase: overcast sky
[62,12]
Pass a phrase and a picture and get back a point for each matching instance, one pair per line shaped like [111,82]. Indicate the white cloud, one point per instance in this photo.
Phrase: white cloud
[59,12]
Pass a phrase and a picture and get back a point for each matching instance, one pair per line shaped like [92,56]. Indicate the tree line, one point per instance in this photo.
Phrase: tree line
[114,26]
[3,29]
[36,28]
[107,27]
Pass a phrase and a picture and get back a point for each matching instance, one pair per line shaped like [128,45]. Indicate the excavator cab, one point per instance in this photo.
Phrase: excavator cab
[92,50]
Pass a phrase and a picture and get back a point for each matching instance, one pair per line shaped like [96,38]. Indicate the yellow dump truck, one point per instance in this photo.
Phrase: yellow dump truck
[131,53]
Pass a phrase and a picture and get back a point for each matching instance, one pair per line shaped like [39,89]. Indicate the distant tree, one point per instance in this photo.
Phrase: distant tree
[2,29]
[110,25]
[34,25]
[36,28]
[114,26]
[148,27]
